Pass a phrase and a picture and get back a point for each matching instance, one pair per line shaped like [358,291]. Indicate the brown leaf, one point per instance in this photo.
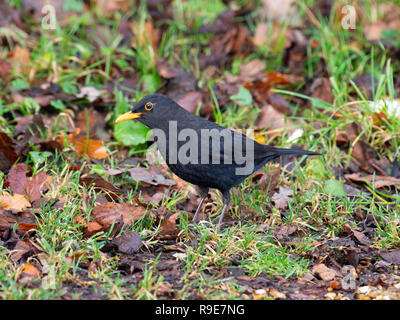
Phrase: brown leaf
[15,203]
[169,230]
[25,221]
[35,186]
[260,34]
[20,184]
[324,272]
[29,273]
[17,178]
[21,249]
[252,70]
[5,69]
[273,120]
[321,88]
[129,243]
[93,148]
[83,145]
[87,119]
[269,180]
[167,71]
[375,180]
[111,212]
[21,59]
[31,270]
[143,175]
[281,198]
[8,156]
[27,226]
[191,101]
[393,257]
[100,185]
[361,237]
[221,24]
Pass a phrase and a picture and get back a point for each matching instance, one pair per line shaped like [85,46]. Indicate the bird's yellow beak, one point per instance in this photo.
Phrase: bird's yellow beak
[127,116]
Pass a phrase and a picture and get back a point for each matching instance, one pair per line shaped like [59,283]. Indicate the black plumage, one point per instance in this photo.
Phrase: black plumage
[202,152]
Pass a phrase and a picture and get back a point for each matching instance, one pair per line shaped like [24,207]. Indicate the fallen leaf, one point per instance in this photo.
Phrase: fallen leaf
[392,257]
[273,120]
[17,178]
[143,175]
[129,243]
[260,34]
[93,148]
[87,120]
[21,184]
[15,203]
[361,237]
[29,272]
[252,70]
[111,212]
[269,180]
[35,186]
[324,272]
[84,145]
[5,69]
[191,101]
[8,156]
[91,93]
[281,198]
[167,71]
[100,185]
[376,181]
[93,227]
[20,59]
[334,188]
[321,88]
[169,230]
[22,249]
[361,152]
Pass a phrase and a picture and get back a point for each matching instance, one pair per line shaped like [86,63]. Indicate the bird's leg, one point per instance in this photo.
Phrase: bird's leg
[203,193]
[226,198]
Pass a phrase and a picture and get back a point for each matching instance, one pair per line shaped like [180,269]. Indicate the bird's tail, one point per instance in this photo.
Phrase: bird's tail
[295,152]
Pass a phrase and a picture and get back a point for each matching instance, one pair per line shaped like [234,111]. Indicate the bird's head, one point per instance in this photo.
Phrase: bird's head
[152,110]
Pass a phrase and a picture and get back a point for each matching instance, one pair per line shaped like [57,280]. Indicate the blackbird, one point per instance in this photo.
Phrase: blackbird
[203,152]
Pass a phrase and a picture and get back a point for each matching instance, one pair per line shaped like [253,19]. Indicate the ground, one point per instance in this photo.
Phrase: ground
[89,210]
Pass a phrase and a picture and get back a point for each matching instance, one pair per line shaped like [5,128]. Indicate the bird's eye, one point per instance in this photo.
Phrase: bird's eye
[148,106]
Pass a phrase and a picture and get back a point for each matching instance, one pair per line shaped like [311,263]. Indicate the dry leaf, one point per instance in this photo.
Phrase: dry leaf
[108,213]
[281,198]
[5,69]
[83,145]
[100,185]
[190,101]
[15,203]
[169,230]
[129,243]
[17,178]
[324,272]
[21,60]
[7,152]
[29,272]
[31,187]
[272,119]
[143,175]
[376,180]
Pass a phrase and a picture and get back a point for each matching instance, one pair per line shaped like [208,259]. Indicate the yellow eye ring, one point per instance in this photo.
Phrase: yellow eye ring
[148,106]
